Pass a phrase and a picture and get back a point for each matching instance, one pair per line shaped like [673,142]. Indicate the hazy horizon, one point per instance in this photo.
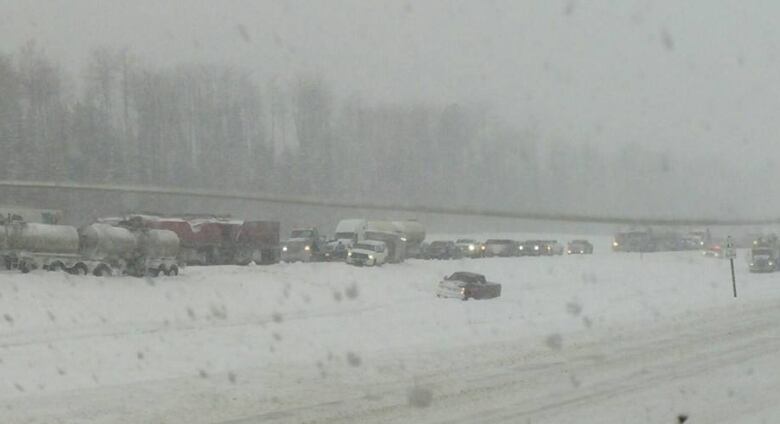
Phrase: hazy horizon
[654,73]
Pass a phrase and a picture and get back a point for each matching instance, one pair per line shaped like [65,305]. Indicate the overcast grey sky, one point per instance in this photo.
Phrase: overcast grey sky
[682,75]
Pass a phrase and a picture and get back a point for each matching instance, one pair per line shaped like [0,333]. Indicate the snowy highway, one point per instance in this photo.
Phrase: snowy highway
[608,338]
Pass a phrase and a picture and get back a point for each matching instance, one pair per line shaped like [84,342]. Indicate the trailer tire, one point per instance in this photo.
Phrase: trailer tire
[101,271]
[56,266]
[24,267]
[78,269]
[173,271]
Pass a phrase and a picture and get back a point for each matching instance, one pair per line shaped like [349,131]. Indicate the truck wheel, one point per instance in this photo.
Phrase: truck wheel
[154,272]
[24,267]
[56,266]
[101,271]
[173,271]
[78,269]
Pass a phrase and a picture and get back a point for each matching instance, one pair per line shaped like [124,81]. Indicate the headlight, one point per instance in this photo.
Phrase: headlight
[569,252]
[616,244]
[536,247]
[349,253]
[771,263]
[284,248]
[462,290]
[471,247]
[751,264]
[701,243]
[521,247]
[483,247]
[307,248]
[582,251]
[371,257]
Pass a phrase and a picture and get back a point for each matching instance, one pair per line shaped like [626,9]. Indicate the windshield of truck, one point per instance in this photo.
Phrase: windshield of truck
[498,242]
[302,234]
[364,246]
[345,236]
[762,252]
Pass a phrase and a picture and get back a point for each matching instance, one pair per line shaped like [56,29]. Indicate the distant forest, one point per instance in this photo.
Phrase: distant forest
[210,126]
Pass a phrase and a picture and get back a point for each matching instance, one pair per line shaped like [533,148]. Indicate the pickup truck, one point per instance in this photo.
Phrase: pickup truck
[467,285]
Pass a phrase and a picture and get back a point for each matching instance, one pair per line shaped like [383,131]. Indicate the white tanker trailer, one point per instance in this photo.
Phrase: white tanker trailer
[98,249]
[106,249]
[158,252]
[29,246]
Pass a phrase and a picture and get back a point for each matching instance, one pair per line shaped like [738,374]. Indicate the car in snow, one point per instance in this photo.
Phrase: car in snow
[531,248]
[367,252]
[579,247]
[470,248]
[713,250]
[501,247]
[442,249]
[467,285]
[551,247]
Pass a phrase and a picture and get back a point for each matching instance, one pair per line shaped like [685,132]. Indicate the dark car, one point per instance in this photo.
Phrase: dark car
[579,247]
[441,249]
[551,248]
[470,248]
[468,285]
[531,248]
[500,247]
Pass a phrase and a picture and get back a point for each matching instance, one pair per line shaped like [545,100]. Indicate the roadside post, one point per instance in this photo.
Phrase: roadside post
[731,253]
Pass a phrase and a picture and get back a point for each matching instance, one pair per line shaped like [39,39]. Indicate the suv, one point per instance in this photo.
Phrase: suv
[441,249]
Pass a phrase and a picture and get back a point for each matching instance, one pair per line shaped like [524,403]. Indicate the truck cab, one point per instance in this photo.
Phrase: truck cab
[763,259]
[304,245]
[348,232]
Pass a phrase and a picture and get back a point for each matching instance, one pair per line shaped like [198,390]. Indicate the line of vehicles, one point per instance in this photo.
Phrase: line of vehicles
[657,240]
[369,243]
[133,244]
[154,244]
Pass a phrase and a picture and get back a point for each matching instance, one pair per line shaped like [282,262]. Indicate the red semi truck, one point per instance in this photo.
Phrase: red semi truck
[219,240]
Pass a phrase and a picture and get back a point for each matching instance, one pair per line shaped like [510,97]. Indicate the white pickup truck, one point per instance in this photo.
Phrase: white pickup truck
[367,252]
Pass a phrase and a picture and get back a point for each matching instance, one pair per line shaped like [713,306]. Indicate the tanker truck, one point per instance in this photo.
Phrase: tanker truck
[98,249]
[387,232]
[157,252]
[414,233]
[29,246]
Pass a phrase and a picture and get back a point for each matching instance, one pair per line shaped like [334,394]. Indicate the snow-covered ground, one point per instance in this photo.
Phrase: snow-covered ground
[608,338]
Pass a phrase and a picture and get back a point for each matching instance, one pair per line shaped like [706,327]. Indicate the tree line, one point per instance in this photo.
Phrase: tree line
[218,127]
